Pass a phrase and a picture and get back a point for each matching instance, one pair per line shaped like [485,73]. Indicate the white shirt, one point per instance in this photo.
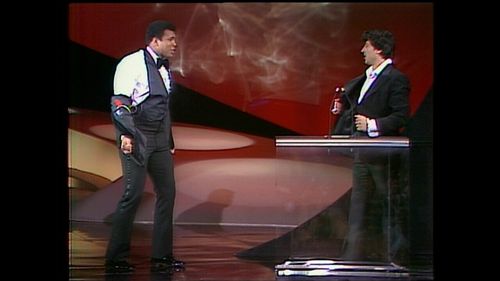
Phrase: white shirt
[371,76]
[131,77]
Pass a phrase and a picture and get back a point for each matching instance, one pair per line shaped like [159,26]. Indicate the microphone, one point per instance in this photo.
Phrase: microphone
[335,107]
[338,107]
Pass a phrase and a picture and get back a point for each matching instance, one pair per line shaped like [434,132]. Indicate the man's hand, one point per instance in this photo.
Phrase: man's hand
[361,122]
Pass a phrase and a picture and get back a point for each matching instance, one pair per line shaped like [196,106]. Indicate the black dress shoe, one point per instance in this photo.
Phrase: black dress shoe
[166,265]
[118,267]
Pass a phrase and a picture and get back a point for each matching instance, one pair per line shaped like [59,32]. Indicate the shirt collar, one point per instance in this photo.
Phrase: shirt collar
[374,73]
[152,53]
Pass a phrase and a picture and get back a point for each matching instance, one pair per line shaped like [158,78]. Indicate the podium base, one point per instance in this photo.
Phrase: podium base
[341,268]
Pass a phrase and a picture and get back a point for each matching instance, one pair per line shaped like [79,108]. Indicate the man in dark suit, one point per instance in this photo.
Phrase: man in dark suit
[143,87]
[374,104]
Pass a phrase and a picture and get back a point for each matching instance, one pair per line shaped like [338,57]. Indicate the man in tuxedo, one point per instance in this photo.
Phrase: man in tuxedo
[374,104]
[143,87]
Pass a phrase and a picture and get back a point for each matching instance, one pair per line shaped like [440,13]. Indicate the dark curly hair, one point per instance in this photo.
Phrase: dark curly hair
[380,39]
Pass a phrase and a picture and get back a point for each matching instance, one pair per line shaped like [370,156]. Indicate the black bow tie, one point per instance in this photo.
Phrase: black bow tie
[160,62]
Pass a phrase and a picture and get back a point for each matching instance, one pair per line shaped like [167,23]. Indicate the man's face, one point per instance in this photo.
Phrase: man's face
[369,52]
[166,45]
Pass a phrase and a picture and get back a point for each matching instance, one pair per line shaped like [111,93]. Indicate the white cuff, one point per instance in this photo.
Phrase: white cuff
[372,128]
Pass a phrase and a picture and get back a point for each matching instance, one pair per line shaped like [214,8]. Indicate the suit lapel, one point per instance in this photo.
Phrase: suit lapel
[381,80]
[149,59]
[350,90]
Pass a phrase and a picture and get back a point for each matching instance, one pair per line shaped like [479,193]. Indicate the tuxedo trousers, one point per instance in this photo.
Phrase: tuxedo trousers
[158,165]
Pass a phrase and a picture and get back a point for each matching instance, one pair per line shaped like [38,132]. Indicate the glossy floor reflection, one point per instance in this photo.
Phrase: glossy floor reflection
[209,253]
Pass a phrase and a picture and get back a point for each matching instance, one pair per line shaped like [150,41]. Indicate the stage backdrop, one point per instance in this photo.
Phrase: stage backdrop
[277,61]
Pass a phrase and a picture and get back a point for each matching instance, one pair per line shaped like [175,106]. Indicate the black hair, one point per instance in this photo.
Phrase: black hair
[380,39]
[156,29]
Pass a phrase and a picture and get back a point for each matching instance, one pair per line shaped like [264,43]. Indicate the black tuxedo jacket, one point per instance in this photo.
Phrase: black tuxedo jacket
[386,101]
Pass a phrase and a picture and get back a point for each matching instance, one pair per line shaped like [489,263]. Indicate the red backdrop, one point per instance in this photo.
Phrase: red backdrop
[277,61]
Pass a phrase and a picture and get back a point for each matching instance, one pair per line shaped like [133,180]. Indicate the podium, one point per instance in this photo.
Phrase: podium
[365,233]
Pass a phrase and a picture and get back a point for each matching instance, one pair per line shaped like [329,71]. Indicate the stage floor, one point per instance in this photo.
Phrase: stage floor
[234,192]
[209,252]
